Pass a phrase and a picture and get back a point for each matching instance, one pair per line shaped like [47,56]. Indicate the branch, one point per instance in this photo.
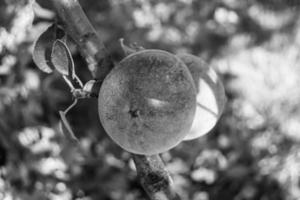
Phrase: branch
[83,33]
[152,174]
[154,177]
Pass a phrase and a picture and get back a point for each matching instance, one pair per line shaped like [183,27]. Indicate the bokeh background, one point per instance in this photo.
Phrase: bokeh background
[252,153]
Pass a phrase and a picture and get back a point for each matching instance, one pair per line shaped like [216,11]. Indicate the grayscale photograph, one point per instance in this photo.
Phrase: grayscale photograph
[149,100]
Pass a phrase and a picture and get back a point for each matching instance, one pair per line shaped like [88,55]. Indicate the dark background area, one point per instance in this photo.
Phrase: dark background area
[252,153]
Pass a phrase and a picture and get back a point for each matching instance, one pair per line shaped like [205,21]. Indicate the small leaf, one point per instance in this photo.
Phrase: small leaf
[89,86]
[92,87]
[43,47]
[66,128]
[61,59]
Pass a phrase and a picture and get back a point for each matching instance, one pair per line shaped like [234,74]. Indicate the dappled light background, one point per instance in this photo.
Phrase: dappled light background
[252,153]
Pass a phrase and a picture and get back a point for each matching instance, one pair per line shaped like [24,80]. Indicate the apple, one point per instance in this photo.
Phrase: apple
[147,102]
[211,98]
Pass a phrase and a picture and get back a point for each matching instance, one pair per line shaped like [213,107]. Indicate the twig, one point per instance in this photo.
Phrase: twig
[151,171]
[83,33]
[154,177]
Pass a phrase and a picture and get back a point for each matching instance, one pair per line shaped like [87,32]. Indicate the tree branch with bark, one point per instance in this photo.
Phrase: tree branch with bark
[151,170]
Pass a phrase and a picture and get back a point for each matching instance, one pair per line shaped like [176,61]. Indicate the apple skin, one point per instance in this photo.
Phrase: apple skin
[211,98]
[147,102]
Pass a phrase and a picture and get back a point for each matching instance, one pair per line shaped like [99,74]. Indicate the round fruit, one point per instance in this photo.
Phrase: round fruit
[211,97]
[147,102]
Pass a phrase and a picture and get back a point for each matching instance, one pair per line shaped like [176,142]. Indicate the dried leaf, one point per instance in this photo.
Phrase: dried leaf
[61,59]
[89,86]
[92,87]
[66,128]
[43,47]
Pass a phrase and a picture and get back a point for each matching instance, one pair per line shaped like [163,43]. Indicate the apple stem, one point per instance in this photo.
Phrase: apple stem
[151,171]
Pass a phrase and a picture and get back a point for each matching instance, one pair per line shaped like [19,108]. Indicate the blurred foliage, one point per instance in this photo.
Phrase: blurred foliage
[253,152]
